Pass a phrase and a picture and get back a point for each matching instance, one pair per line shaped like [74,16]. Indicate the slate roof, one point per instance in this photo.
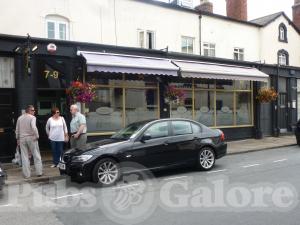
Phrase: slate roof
[263,21]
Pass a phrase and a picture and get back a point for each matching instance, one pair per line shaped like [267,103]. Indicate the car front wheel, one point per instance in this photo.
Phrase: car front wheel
[206,158]
[106,172]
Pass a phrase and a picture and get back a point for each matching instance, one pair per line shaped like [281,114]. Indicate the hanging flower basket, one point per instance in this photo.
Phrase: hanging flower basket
[174,95]
[81,92]
[266,95]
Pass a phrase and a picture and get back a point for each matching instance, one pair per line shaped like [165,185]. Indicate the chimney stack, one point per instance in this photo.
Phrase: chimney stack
[206,6]
[237,9]
[296,13]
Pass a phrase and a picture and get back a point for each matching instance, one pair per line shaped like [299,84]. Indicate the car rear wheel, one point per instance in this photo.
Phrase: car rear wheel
[106,172]
[206,159]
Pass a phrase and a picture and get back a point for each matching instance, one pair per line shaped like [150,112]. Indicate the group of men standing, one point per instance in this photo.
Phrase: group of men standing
[27,136]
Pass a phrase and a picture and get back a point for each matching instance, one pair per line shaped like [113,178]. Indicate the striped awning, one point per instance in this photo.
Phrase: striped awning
[193,69]
[132,64]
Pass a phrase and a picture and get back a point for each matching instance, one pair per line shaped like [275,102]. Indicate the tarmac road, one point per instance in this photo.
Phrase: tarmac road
[255,188]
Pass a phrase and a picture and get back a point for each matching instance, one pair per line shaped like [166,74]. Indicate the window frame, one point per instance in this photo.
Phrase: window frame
[123,84]
[146,42]
[279,54]
[240,53]
[214,90]
[193,44]
[283,28]
[151,125]
[208,46]
[57,21]
[184,121]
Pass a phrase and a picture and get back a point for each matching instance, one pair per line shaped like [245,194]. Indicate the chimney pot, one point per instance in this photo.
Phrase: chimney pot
[206,6]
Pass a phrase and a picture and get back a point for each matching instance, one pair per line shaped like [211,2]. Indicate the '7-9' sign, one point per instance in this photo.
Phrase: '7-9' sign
[54,74]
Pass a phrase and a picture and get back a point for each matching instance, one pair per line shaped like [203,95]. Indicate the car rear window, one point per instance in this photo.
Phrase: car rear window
[181,127]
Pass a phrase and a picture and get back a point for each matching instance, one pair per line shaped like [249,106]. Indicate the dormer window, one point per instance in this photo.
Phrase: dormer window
[282,33]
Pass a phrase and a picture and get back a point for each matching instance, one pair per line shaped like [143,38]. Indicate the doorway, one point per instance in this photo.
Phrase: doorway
[282,105]
[46,100]
[7,124]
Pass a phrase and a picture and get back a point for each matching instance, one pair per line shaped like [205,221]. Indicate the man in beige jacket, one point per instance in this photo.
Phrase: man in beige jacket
[27,137]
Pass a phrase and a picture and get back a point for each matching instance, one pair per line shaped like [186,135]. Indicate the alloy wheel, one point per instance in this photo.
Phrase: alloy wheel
[108,172]
[207,159]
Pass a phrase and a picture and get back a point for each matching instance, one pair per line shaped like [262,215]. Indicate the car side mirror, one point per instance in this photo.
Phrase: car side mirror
[145,137]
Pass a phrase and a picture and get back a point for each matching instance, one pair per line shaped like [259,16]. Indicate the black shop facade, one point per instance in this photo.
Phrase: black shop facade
[130,86]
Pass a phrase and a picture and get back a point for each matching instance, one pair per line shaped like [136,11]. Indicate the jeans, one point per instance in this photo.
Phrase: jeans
[57,148]
[27,145]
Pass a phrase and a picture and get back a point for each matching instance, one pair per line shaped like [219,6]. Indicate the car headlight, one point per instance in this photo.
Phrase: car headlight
[81,158]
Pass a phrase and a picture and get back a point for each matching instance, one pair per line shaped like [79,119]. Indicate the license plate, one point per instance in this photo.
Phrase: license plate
[62,166]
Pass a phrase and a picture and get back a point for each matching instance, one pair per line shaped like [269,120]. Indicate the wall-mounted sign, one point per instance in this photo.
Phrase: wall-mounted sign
[51,73]
[51,48]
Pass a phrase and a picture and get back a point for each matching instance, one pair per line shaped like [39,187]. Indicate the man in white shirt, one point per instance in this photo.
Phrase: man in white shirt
[78,128]
[27,137]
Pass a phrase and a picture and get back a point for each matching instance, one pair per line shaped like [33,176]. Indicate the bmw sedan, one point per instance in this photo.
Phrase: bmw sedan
[155,145]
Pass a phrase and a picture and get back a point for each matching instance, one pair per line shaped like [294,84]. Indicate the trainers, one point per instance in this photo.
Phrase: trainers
[53,166]
[40,175]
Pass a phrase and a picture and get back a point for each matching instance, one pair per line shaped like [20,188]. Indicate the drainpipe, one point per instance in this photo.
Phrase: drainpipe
[200,34]
[277,129]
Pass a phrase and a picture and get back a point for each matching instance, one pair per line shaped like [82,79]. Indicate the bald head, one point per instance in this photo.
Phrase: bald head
[74,109]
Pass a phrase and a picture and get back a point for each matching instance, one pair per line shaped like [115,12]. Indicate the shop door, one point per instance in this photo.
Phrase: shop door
[7,124]
[283,112]
[46,100]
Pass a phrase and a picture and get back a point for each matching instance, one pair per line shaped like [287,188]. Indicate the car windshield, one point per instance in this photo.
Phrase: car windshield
[128,131]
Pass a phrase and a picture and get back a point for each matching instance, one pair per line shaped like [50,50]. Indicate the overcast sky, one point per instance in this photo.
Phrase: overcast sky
[256,8]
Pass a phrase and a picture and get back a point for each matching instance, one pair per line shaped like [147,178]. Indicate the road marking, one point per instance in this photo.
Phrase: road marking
[173,178]
[280,160]
[6,205]
[217,171]
[66,196]
[126,186]
[251,165]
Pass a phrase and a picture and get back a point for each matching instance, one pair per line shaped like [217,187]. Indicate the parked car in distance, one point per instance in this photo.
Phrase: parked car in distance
[2,177]
[154,144]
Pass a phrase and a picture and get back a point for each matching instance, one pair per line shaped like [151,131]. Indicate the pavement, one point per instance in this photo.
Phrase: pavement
[254,188]
[14,172]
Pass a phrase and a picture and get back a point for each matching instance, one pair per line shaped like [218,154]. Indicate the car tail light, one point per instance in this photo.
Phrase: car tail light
[222,137]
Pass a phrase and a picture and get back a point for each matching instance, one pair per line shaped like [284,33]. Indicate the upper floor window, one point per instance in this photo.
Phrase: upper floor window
[187,45]
[146,39]
[283,57]
[282,33]
[238,54]
[57,27]
[209,49]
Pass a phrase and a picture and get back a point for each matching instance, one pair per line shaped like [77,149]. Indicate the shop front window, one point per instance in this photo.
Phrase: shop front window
[243,108]
[216,103]
[224,108]
[105,113]
[141,104]
[120,102]
[183,109]
[204,107]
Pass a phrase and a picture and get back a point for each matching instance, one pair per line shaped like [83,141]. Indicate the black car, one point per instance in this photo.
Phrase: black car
[297,132]
[155,144]
[2,177]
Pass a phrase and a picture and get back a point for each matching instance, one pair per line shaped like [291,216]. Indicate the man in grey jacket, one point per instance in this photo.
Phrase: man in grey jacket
[27,137]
